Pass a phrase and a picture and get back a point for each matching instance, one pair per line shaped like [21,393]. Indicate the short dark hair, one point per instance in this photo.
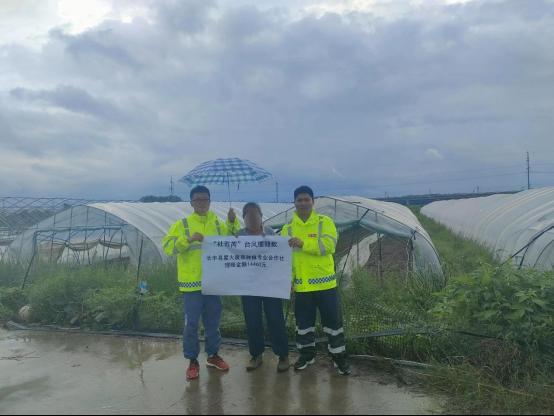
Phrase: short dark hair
[303,190]
[200,189]
[251,205]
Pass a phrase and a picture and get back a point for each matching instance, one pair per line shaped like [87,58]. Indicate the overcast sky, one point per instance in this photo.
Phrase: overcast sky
[109,99]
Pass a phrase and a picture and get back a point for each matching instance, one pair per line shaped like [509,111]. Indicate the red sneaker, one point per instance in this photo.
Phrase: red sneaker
[217,362]
[193,372]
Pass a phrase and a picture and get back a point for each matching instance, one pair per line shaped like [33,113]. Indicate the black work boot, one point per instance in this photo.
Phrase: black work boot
[303,362]
[340,362]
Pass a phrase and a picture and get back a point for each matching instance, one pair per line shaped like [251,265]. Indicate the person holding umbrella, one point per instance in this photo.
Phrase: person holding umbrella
[184,239]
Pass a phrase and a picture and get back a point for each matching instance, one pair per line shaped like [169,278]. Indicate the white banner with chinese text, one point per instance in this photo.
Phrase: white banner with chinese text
[247,266]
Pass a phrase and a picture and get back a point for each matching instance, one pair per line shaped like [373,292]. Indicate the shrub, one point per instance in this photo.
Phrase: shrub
[514,305]
[161,313]
[59,297]
[116,305]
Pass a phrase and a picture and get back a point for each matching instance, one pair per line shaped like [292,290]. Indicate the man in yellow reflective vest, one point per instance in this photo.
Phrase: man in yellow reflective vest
[184,240]
[313,238]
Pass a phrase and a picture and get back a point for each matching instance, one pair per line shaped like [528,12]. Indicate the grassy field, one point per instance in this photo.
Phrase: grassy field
[458,256]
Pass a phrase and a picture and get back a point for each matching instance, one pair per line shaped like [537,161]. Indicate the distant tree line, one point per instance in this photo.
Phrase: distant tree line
[152,198]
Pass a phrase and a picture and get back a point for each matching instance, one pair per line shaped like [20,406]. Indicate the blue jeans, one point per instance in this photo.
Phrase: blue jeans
[197,305]
[253,308]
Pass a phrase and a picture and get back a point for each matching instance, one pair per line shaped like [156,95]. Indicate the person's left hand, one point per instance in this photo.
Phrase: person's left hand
[296,243]
[231,216]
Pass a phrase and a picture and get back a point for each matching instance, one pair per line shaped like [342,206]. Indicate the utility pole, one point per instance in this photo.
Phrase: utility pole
[171,186]
[528,172]
[277,192]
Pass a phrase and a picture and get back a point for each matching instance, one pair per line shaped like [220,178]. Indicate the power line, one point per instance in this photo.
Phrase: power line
[378,186]
[543,164]
[492,171]
[445,180]
[386,185]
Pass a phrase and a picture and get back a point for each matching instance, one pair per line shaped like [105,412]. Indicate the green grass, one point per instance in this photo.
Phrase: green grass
[457,256]
[473,390]
[11,275]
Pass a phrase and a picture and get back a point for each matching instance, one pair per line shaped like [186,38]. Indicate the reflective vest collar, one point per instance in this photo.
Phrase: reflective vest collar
[313,219]
[203,219]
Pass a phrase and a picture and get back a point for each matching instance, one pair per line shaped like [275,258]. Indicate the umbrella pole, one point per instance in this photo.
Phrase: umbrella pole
[229,189]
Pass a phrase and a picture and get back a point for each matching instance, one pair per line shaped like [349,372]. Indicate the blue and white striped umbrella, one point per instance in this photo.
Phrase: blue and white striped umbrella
[225,171]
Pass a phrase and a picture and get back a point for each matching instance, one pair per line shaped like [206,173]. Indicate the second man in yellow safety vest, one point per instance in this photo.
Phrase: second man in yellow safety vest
[313,238]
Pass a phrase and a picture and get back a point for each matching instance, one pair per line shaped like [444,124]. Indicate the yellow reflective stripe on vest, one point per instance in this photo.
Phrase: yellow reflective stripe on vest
[319,234]
[171,240]
[217,226]
[186,225]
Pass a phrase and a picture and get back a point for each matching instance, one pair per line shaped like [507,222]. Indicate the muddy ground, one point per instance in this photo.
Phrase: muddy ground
[60,373]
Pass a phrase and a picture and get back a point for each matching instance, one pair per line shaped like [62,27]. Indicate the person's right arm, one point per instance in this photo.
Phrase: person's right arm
[176,241]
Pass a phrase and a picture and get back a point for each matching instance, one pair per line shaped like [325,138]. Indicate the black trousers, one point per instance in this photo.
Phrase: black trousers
[253,308]
[306,306]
